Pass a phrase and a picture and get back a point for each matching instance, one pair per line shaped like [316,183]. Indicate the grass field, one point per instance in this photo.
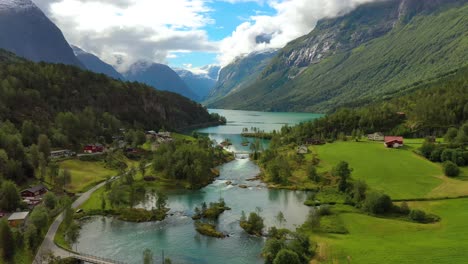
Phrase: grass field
[86,174]
[380,240]
[398,172]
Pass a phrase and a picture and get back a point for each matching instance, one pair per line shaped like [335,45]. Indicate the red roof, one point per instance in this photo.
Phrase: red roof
[389,139]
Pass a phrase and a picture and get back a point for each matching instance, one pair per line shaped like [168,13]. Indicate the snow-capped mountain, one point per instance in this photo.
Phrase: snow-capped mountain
[26,31]
[201,80]
[95,64]
[160,76]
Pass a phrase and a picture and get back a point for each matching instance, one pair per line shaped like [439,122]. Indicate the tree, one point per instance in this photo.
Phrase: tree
[34,155]
[10,199]
[54,171]
[417,215]
[161,202]
[73,233]
[377,203]
[451,134]
[312,173]
[29,133]
[286,256]
[42,166]
[50,200]
[43,143]
[31,237]
[359,191]
[271,249]
[343,171]
[39,218]
[7,243]
[451,169]
[148,257]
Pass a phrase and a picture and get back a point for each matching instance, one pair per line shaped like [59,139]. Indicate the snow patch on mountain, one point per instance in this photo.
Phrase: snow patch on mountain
[16,4]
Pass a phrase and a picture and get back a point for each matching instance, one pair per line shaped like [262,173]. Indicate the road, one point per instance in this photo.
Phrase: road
[48,246]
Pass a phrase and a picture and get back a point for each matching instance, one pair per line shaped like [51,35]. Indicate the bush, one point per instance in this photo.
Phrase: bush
[451,169]
[417,216]
[377,203]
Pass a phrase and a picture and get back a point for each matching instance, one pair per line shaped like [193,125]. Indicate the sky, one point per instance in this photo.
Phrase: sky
[186,33]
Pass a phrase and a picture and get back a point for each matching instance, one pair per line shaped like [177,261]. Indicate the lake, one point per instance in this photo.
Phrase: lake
[176,235]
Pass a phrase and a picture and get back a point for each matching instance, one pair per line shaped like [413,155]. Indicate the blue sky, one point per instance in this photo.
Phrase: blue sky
[227,16]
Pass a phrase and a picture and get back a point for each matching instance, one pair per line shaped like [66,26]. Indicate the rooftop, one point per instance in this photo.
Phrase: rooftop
[18,216]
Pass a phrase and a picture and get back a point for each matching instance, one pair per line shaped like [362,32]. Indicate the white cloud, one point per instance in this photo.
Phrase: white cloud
[293,19]
[123,31]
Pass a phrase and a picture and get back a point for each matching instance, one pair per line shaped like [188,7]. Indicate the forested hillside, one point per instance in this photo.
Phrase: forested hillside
[430,110]
[369,54]
[40,91]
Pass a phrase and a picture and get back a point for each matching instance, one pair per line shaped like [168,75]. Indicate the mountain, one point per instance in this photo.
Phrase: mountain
[94,64]
[202,81]
[369,54]
[240,74]
[27,32]
[159,76]
[40,92]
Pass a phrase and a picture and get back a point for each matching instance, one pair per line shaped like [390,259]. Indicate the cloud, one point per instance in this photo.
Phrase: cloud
[292,19]
[123,31]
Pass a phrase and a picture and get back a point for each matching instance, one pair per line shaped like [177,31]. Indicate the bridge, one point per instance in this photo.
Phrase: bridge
[94,259]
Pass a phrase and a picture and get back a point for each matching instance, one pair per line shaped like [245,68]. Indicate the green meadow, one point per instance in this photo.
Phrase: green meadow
[380,240]
[398,172]
[86,174]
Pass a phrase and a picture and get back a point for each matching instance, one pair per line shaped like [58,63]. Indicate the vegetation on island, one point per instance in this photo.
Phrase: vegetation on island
[253,224]
[211,212]
[208,229]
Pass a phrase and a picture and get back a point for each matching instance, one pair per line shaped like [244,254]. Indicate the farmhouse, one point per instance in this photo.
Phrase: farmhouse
[377,136]
[302,149]
[314,141]
[93,148]
[56,154]
[17,219]
[34,191]
[393,142]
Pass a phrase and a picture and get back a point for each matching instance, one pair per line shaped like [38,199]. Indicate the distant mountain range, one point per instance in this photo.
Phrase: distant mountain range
[159,76]
[239,74]
[27,32]
[377,50]
[94,64]
[202,81]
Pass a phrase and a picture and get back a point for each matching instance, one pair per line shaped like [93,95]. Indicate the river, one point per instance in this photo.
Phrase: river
[176,236]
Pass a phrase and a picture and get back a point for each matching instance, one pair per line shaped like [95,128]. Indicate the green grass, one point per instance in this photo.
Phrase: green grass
[398,172]
[59,238]
[86,174]
[380,240]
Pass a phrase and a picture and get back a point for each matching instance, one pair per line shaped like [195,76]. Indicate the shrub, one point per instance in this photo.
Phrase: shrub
[377,203]
[286,256]
[451,169]
[418,216]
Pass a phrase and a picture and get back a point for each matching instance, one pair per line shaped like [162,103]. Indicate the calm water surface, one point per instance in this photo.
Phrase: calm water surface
[176,235]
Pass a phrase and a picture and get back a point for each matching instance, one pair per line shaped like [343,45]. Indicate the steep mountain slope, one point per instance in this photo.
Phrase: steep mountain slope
[376,50]
[200,83]
[94,64]
[159,76]
[26,31]
[239,74]
[40,91]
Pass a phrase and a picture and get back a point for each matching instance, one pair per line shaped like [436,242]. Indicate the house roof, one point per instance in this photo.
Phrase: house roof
[35,188]
[393,138]
[18,216]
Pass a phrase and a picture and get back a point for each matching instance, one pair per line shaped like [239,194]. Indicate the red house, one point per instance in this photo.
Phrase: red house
[94,148]
[393,142]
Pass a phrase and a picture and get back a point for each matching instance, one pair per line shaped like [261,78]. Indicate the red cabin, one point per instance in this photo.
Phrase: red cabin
[34,191]
[393,142]
[96,148]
